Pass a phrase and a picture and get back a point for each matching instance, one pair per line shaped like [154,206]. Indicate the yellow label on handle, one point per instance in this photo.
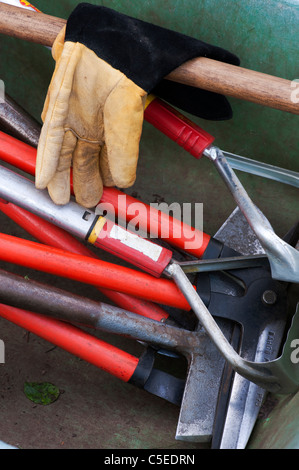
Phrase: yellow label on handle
[149,99]
[96,230]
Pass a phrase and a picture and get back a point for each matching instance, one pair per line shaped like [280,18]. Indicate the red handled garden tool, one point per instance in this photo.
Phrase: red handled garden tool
[151,258]
[17,293]
[283,258]
[72,339]
[15,121]
[20,293]
[91,271]
[178,278]
[179,234]
[46,232]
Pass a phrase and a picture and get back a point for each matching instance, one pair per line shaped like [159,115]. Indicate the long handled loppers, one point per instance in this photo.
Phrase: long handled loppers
[156,383]
[283,258]
[60,305]
[266,371]
[17,122]
[44,230]
[203,413]
[261,373]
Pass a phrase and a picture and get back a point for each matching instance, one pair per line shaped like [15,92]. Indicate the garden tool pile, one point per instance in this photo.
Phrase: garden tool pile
[222,303]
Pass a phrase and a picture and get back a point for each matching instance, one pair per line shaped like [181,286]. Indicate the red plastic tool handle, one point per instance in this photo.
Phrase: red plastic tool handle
[177,127]
[90,271]
[23,156]
[138,251]
[150,219]
[52,235]
[75,341]
[128,246]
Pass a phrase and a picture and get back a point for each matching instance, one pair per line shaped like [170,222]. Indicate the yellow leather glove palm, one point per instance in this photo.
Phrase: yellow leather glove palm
[92,117]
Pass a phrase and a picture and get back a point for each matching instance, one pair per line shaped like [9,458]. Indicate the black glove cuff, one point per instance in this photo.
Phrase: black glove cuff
[144,52]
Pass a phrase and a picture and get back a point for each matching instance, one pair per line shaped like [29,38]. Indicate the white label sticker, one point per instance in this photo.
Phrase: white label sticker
[135,242]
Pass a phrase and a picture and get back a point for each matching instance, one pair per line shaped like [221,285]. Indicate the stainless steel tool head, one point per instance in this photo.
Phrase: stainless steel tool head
[199,401]
[228,404]
[247,397]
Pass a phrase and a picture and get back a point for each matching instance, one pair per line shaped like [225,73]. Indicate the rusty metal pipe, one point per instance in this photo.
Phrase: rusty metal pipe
[15,121]
[19,292]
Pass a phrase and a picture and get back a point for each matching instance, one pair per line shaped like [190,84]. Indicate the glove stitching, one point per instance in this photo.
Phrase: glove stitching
[123,78]
[55,106]
[101,142]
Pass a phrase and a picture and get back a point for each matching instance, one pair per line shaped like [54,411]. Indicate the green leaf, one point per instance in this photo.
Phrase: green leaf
[42,393]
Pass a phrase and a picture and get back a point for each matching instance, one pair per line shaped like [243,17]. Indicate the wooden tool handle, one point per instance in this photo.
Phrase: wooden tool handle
[201,72]
[29,25]
[245,84]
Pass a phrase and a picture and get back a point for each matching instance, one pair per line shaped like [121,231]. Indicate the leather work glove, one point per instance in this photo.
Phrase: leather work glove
[106,64]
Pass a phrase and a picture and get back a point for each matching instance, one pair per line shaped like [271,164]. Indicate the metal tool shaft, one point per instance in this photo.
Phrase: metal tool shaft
[221,264]
[71,216]
[17,122]
[52,301]
[258,373]
[283,258]
[275,173]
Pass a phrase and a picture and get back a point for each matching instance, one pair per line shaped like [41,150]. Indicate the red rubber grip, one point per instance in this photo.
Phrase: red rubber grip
[178,233]
[23,156]
[138,251]
[75,341]
[90,271]
[17,153]
[177,127]
[52,235]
